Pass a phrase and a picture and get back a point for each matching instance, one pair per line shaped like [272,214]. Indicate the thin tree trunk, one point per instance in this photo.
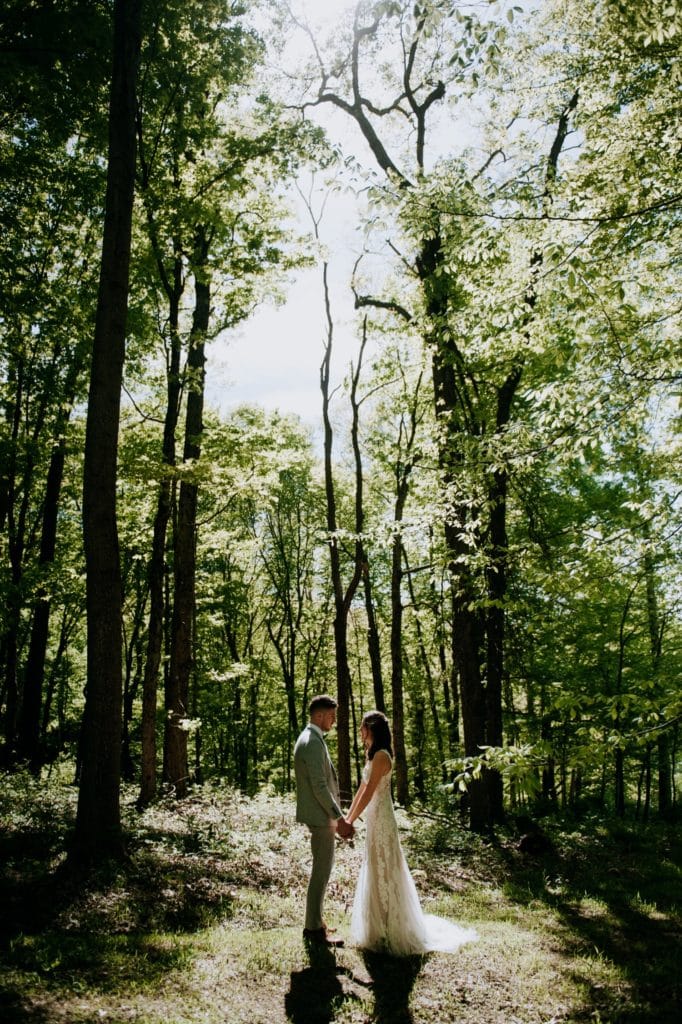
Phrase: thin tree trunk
[65,631]
[373,642]
[497,592]
[173,285]
[419,747]
[398,715]
[428,674]
[8,648]
[448,673]
[182,634]
[131,677]
[619,765]
[158,557]
[373,645]
[656,629]
[342,598]
[34,674]
[665,780]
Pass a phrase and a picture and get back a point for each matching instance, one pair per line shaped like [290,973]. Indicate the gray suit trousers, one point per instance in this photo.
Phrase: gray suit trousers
[322,843]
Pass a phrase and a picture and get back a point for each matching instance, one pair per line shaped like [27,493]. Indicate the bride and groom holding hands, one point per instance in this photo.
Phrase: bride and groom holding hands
[387,915]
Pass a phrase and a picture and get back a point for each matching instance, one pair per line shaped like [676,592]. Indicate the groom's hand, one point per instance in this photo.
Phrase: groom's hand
[344,828]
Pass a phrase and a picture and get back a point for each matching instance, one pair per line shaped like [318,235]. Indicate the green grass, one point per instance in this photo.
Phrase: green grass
[202,923]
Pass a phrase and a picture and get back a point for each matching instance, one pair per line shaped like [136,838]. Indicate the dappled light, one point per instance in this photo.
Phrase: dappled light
[205,912]
[340,512]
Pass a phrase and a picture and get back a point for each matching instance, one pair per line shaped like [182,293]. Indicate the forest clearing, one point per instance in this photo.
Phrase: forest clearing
[202,922]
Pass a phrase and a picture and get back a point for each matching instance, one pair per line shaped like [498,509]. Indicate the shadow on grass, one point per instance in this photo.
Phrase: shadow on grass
[15,1009]
[646,953]
[316,992]
[393,979]
[101,963]
[619,897]
[123,927]
[150,891]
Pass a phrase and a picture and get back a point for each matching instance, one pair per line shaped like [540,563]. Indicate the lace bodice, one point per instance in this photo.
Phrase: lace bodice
[380,807]
[385,780]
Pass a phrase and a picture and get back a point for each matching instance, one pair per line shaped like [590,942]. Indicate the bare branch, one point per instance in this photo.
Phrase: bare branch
[389,304]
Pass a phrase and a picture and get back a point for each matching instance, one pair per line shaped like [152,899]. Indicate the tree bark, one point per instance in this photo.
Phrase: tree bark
[373,642]
[496,573]
[176,769]
[656,647]
[29,723]
[403,471]
[98,822]
[428,674]
[342,598]
[34,672]
[157,563]
[373,645]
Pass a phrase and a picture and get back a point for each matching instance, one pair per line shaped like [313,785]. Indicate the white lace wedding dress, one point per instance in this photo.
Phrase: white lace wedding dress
[387,915]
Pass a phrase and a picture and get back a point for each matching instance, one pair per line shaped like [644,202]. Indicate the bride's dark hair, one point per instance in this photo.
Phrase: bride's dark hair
[380,730]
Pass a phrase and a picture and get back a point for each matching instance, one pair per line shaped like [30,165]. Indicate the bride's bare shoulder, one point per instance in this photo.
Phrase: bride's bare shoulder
[385,761]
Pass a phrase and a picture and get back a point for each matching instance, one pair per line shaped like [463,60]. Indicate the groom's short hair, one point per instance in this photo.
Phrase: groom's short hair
[323,702]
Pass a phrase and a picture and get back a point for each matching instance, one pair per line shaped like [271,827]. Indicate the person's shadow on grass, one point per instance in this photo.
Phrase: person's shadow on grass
[393,979]
[316,992]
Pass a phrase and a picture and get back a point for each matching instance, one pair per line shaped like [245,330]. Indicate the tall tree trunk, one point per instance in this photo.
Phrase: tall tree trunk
[158,557]
[342,598]
[29,724]
[656,647]
[286,652]
[403,472]
[619,783]
[373,645]
[448,672]
[184,566]
[456,414]
[131,676]
[665,778]
[428,674]
[402,791]
[419,748]
[18,539]
[8,483]
[373,641]
[619,765]
[34,672]
[497,592]
[98,822]
[65,631]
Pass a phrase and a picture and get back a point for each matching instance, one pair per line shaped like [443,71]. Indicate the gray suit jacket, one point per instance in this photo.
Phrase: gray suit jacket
[317,788]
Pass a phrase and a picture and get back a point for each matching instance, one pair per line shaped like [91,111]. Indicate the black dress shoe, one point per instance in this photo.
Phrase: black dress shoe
[319,936]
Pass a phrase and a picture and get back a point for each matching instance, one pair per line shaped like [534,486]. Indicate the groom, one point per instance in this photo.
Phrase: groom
[317,806]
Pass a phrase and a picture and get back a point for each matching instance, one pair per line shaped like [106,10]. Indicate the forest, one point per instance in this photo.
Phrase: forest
[480,532]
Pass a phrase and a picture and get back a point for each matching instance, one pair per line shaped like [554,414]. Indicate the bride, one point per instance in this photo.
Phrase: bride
[387,915]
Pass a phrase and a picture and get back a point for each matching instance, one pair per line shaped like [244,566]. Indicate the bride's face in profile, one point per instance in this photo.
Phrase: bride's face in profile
[365,736]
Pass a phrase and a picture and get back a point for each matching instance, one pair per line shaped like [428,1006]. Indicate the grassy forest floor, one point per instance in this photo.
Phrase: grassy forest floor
[202,924]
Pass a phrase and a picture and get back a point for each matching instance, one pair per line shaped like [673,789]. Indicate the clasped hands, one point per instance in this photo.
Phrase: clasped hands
[344,828]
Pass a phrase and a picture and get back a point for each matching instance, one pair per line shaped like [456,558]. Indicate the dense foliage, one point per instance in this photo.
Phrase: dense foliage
[500,484]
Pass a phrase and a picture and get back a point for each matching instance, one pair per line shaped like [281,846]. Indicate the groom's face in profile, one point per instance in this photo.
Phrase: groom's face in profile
[327,717]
